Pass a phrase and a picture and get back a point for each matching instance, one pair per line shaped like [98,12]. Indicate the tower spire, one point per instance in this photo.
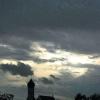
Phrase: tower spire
[31,86]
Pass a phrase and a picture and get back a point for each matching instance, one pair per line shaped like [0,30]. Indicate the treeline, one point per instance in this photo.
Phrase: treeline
[80,96]
[6,96]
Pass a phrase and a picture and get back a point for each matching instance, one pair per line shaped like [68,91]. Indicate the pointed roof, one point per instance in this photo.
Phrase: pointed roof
[31,83]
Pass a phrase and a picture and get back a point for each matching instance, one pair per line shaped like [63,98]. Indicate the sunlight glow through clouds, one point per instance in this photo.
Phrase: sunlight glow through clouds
[62,57]
[8,61]
[75,59]
[54,42]
[15,80]
[77,72]
[55,61]
[71,57]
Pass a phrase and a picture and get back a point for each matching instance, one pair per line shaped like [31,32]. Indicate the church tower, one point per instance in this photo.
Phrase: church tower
[31,86]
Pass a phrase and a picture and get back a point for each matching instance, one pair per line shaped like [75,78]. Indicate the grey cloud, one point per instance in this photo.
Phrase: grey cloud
[46,81]
[94,56]
[90,66]
[14,41]
[67,40]
[67,86]
[71,25]
[38,60]
[88,83]
[18,92]
[15,47]
[54,77]
[70,40]
[5,50]
[53,13]
[19,69]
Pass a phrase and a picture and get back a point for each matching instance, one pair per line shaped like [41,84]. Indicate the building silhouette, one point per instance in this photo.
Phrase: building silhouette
[45,98]
[6,97]
[31,86]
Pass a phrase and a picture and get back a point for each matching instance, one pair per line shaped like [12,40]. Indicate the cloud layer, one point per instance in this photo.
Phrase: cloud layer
[54,13]
[19,69]
[59,39]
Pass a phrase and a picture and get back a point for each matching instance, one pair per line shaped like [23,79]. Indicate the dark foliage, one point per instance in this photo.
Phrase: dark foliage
[79,96]
[6,97]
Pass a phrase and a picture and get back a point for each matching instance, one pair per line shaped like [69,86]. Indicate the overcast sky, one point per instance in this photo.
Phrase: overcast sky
[56,42]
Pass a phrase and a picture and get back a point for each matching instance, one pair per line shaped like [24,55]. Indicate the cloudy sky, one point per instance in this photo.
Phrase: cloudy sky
[56,42]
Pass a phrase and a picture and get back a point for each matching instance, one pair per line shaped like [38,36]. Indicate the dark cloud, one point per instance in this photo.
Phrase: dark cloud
[90,66]
[71,25]
[46,80]
[88,83]
[53,13]
[61,39]
[70,40]
[19,69]
[54,77]
[14,47]
[94,57]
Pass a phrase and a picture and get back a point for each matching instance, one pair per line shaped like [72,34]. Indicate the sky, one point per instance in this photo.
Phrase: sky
[54,42]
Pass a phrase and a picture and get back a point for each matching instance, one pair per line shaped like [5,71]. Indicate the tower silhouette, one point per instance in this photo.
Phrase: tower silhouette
[31,86]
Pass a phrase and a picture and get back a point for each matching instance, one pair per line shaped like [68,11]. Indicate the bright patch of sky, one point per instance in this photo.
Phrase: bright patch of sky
[55,62]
